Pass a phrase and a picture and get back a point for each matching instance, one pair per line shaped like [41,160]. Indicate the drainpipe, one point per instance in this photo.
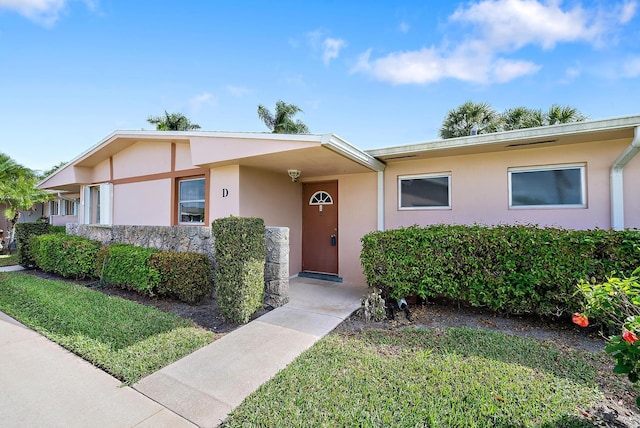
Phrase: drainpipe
[617,181]
[380,200]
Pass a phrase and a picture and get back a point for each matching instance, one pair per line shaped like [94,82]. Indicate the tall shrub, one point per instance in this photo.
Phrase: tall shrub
[510,269]
[240,258]
[24,231]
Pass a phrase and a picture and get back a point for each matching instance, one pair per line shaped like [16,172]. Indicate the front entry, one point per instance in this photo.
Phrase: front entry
[320,227]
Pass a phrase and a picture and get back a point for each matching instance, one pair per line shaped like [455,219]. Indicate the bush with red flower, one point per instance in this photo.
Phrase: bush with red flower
[616,305]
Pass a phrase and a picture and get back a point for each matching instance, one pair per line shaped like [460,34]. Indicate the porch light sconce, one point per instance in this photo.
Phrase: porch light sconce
[294,174]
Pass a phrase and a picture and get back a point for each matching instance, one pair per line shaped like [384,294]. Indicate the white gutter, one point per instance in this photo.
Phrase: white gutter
[380,200]
[616,181]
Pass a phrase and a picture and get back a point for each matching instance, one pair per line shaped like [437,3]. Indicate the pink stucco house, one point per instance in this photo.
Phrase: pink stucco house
[330,193]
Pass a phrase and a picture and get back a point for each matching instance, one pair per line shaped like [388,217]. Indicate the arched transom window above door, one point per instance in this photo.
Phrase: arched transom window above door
[321,198]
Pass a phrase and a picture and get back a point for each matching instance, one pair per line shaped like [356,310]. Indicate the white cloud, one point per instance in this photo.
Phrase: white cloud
[498,28]
[44,12]
[515,23]
[404,27]
[428,65]
[196,103]
[237,91]
[331,49]
[628,11]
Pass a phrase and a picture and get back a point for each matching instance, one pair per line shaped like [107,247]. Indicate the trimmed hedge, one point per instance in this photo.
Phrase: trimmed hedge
[240,258]
[509,269]
[185,276]
[24,231]
[58,229]
[128,266]
[66,255]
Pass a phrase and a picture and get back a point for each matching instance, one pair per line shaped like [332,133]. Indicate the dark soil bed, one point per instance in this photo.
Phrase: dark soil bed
[206,314]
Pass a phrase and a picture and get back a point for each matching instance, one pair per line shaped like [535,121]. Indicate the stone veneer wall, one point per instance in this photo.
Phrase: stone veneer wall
[276,270]
[198,239]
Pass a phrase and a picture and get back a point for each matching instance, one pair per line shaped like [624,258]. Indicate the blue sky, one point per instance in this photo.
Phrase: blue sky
[73,71]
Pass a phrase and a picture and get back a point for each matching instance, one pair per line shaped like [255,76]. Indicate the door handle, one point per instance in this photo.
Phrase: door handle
[333,240]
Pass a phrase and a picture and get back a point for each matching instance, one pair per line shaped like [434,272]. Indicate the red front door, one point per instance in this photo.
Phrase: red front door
[320,227]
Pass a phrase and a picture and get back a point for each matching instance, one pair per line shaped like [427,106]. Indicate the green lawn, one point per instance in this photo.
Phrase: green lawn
[124,338]
[417,378]
[8,260]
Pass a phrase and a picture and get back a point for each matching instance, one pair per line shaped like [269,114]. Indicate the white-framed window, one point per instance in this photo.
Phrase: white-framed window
[553,186]
[98,202]
[191,201]
[321,198]
[424,192]
[68,207]
[53,208]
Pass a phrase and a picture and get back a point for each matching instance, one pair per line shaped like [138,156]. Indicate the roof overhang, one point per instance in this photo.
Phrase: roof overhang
[556,135]
[314,155]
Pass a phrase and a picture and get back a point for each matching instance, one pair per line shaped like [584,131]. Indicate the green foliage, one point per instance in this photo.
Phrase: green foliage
[185,276]
[509,269]
[482,118]
[616,303]
[8,260]
[281,121]
[66,255]
[24,231]
[172,122]
[240,257]
[124,338]
[128,266]
[58,229]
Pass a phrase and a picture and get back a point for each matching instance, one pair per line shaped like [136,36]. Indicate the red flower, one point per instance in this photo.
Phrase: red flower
[629,336]
[580,319]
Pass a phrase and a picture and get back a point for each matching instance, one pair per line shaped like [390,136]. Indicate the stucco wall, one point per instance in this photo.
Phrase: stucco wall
[357,216]
[144,203]
[101,173]
[479,187]
[142,158]
[278,200]
[224,192]
[183,157]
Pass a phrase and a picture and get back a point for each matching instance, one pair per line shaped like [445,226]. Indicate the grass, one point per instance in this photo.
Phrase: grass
[456,378]
[8,260]
[124,338]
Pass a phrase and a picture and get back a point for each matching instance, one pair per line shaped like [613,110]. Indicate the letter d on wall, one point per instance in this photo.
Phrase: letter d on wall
[225,193]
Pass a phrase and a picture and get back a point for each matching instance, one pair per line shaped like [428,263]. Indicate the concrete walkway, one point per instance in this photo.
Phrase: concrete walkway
[206,385]
[42,384]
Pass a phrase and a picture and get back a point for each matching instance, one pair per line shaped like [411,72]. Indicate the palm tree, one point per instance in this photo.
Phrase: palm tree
[172,122]
[563,114]
[469,119]
[18,190]
[521,117]
[282,121]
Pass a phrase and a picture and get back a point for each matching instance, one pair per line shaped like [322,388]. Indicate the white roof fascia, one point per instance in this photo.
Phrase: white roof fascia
[345,149]
[511,136]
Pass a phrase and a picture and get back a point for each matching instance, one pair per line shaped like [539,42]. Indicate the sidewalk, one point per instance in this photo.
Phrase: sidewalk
[42,384]
[205,386]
